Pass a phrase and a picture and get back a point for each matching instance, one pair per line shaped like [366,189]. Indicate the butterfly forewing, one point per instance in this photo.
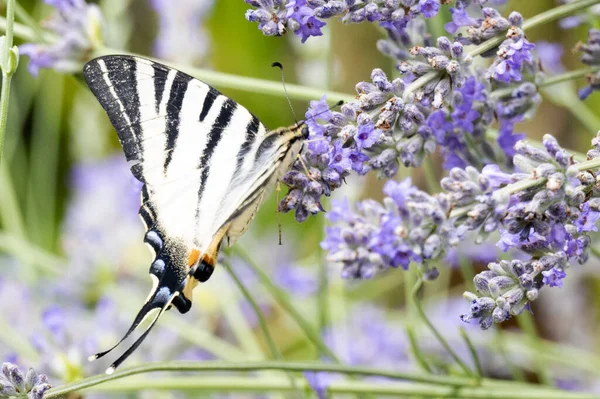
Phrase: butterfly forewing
[192,145]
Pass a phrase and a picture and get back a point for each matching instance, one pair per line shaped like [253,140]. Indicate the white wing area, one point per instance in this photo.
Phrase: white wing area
[201,155]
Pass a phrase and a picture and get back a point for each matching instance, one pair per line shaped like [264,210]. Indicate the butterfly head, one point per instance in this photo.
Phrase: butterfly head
[305,132]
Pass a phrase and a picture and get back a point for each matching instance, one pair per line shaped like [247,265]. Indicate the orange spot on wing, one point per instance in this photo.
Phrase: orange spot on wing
[209,260]
[193,258]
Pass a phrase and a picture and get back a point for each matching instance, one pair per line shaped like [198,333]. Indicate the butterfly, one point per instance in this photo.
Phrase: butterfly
[206,164]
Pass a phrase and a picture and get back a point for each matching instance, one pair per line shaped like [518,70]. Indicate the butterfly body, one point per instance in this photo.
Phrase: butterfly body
[206,162]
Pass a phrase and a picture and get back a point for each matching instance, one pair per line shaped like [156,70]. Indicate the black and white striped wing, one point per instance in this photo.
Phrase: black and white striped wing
[206,164]
[200,155]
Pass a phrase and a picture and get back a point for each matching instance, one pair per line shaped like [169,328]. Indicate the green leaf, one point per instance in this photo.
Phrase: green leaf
[8,65]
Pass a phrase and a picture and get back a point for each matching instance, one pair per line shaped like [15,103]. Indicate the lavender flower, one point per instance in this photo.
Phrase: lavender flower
[553,277]
[460,18]
[13,383]
[513,55]
[305,17]
[448,59]
[512,108]
[491,25]
[429,8]
[276,17]
[181,21]
[591,56]
[408,227]
[360,138]
[78,30]
[549,222]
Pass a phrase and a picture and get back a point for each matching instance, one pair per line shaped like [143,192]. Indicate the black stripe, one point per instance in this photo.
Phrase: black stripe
[251,131]
[146,202]
[146,217]
[172,121]
[266,144]
[121,73]
[160,80]
[210,98]
[214,136]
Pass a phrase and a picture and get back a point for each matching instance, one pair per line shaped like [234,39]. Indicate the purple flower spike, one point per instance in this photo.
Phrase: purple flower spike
[554,277]
[13,383]
[366,136]
[429,8]
[459,18]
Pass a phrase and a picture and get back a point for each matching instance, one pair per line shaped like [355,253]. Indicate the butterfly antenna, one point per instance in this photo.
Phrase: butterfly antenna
[278,65]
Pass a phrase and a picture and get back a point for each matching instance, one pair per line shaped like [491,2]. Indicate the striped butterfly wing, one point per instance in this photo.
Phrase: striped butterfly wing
[206,163]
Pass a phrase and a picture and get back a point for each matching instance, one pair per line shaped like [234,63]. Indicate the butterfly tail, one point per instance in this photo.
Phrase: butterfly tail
[159,300]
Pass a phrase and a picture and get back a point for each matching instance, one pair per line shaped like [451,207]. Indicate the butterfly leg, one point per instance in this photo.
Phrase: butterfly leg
[299,157]
[277,191]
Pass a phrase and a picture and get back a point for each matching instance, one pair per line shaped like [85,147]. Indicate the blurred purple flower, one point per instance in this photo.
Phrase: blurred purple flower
[368,338]
[483,253]
[296,280]
[550,55]
[182,21]
[318,382]
[460,18]
[77,26]
[591,56]
[104,195]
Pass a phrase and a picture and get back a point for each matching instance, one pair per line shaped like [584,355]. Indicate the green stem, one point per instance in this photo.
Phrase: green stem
[238,384]
[473,351]
[283,301]
[567,76]
[26,33]
[584,114]
[212,366]
[230,81]
[556,79]
[436,333]
[467,270]
[525,321]
[261,321]
[256,308]
[595,251]
[415,350]
[7,71]
[30,254]
[433,183]
[541,18]
[24,16]
[220,79]
[429,386]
